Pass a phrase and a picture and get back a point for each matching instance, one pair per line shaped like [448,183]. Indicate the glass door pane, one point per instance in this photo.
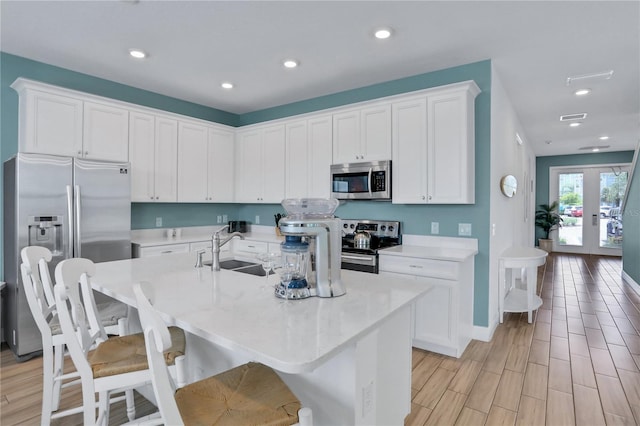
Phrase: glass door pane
[612,187]
[570,196]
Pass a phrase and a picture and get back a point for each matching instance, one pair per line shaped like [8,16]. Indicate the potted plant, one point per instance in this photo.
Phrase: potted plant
[547,219]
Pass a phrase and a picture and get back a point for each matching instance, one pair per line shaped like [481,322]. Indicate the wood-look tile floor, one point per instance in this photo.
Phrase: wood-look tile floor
[577,364]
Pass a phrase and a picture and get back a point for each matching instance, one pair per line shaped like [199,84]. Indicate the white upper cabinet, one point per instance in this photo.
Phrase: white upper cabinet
[205,164]
[362,134]
[434,147]
[220,176]
[49,123]
[105,132]
[409,166]
[260,165]
[153,156]
[193,162]
[308,157]
[451,145]
[61,122]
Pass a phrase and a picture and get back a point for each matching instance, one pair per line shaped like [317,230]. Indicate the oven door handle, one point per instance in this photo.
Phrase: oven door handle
[346,256]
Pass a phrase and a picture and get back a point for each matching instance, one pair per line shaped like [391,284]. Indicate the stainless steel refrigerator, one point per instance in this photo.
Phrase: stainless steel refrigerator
[75,208]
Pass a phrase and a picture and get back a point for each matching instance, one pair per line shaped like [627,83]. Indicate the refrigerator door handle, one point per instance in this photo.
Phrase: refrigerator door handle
[71,240]
[76,242]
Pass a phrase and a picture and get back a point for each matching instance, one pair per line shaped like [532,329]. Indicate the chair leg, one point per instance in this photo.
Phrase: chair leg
[131,405]
[58,370]
[305,416]
[104,404]
[47,384]
[181,372]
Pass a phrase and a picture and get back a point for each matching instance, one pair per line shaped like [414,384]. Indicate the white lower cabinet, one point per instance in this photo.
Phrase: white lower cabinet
[442,319]
[160,250]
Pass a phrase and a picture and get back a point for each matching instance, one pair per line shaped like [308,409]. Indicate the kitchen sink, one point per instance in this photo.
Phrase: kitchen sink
[250,268]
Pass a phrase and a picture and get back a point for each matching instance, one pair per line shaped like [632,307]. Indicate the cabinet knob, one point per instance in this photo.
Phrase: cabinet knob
[423,197]
[79,152]
[151,197]
[157,198]
[86,153]
[429,197]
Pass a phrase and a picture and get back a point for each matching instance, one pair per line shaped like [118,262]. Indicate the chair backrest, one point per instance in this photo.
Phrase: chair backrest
[157,341]
[80,326]
[42,308]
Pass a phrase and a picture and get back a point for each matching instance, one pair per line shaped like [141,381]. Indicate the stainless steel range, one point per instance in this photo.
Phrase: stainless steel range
[361,240]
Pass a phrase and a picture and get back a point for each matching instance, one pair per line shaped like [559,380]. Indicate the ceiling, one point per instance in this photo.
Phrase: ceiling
[194,46]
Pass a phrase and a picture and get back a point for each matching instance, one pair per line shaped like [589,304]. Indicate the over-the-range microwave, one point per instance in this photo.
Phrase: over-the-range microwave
[361,181]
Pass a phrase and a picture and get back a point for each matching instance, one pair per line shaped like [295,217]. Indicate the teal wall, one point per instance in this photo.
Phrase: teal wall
[544,163]
[415,219]
[631,222]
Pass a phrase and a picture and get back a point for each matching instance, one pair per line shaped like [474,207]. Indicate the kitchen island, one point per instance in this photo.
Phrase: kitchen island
[348,358]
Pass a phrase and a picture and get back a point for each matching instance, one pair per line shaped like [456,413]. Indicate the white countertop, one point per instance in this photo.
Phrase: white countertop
[425,252]
[238,311]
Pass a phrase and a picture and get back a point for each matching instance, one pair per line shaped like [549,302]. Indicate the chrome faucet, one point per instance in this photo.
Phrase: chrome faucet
[216,244]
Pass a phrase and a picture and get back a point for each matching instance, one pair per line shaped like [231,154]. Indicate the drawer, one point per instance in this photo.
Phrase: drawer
[162,250]
[247,246]
[443,269]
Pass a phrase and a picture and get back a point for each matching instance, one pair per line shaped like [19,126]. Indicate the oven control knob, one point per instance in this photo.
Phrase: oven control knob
[346,225]
[352,226]
[383,228]
[390,228]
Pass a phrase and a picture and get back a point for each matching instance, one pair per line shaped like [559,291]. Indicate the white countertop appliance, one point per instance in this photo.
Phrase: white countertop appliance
[361,240]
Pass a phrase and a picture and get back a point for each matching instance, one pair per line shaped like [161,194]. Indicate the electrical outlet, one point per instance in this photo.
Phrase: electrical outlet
[158,222]
[367,399]
[257,220]
[493,229]
[464,229]
[219,219]
[225,218]
[435,227]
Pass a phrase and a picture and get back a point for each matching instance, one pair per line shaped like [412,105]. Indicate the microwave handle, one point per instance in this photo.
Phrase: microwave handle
[370,181]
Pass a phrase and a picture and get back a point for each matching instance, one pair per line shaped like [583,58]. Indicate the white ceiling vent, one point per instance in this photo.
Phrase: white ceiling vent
[570,117]
[591,148]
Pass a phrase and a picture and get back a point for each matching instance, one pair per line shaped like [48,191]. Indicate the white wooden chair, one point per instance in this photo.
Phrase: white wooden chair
[249,394]
[116,364]
[44,313]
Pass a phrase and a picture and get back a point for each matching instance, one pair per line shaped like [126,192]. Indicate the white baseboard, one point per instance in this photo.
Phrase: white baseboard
[634,285]
[484,334]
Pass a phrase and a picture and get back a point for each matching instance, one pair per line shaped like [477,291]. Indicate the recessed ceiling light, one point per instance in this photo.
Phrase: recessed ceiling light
[548,142]
[582,92]
[603,138]
[137,53]
[227,85]
[382,33]
[595,150]
[290,63]
[574,124]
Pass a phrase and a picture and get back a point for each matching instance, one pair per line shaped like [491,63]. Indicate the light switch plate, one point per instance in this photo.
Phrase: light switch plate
[219,219]
[464,229]
[158,222]
[225,218]
[435,227]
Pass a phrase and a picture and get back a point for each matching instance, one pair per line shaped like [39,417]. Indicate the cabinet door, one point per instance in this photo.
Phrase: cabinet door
[106,132]
[220,178]
[297,160]
[193,164]
[410,152]
[434,316]
[163,250]
[273,170]
[320,157]
[50,124]
[346,137]
[142,156]
[166,160]
[450,144]
[249,167]
[375,137]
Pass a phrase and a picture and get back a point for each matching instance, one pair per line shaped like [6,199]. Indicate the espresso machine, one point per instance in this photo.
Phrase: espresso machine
[312,219]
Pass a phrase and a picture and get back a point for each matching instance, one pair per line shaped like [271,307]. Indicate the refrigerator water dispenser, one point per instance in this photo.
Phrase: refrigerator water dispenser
[46,231]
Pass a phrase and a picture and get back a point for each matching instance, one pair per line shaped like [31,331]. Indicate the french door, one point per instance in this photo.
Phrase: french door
[589,199]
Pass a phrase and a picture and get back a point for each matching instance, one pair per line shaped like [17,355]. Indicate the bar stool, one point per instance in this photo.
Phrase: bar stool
[513,299]
[246,395]
[115,364]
